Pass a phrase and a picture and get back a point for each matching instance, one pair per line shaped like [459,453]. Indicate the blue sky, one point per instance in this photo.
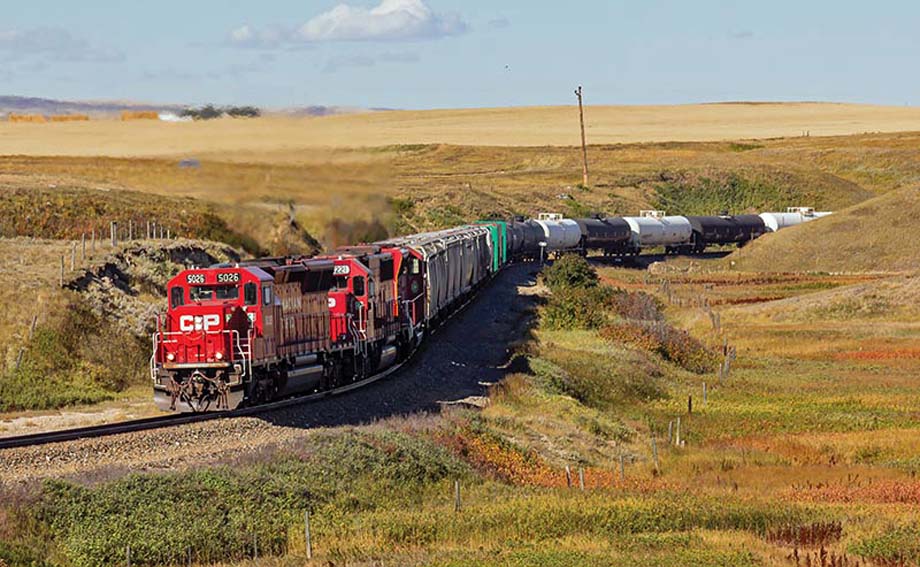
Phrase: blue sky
[461,53]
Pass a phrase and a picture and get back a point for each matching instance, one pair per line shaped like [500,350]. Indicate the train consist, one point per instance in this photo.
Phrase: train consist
[252,332]
[625,236]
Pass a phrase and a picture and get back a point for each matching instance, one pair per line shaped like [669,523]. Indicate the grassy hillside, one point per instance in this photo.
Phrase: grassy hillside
[89,341]
[805,449]
[873,235]
[522,126]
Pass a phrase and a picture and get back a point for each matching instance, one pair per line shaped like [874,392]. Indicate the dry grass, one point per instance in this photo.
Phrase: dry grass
[529,126]
[29,271]
[873,235]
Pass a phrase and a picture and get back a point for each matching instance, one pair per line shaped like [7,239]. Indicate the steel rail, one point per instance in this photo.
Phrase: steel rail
[173,420]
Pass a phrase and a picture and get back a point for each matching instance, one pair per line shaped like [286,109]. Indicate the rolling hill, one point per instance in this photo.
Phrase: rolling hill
[879,234]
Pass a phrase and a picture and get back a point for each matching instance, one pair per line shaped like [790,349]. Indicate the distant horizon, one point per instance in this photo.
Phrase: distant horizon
[152,103]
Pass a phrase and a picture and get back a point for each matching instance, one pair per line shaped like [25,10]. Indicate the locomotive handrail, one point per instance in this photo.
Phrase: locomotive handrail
[236,343]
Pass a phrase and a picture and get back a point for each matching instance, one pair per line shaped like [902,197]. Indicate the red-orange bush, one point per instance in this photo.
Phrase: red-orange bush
[672,344]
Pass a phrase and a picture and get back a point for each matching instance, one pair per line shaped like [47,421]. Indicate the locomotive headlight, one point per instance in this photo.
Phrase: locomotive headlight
[219,356]
[170,356]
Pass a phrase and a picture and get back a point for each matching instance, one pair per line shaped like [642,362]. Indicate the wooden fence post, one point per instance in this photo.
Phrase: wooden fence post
[655,454]
[622,468]
[568,476]
[128,555]
[83,247]
[704,393]
[62,271]
[670,432]
[581,478]
[677,432]
[457,502]
[306,533]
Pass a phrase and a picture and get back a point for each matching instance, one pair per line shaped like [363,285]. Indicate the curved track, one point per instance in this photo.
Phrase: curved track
[179,419]
[182,419]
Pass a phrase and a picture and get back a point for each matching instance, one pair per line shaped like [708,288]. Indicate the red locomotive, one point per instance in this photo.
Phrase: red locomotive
[265,329]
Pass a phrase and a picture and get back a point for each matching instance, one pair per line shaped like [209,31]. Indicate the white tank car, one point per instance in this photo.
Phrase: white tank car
[792,217]
[654,228]
[559,233]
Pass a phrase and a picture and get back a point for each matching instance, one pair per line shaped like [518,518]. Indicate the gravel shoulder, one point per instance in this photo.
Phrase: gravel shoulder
[467,352]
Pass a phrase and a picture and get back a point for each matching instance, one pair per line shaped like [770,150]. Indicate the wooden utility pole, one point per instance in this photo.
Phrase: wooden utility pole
[584,146]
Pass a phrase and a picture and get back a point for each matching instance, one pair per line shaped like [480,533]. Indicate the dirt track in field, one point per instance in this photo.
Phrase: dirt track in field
[463,354]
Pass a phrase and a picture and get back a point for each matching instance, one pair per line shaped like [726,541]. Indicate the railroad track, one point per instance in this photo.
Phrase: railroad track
[181,419]
[174,420]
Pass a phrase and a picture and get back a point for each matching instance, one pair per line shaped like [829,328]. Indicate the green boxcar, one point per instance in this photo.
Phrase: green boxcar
[499,230]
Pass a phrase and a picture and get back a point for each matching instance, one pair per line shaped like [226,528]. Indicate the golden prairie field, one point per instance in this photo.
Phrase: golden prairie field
[808,446]
[285,137]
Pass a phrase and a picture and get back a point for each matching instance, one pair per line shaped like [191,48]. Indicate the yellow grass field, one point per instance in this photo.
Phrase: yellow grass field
[527,126]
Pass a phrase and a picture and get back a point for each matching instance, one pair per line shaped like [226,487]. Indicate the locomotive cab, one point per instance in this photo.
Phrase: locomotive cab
[203,347]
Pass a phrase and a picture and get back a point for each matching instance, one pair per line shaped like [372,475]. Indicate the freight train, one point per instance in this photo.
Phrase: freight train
[248,333]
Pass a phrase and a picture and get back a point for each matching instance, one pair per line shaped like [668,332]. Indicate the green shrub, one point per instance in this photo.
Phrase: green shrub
[727,192]
[77,359]
[575,308]
[15,555]
[217,512]
[570,271]
[598,382]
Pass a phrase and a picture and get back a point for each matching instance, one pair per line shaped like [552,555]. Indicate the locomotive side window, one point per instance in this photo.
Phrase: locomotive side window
[250,294]
[267,295]
[176,297]
[358,285]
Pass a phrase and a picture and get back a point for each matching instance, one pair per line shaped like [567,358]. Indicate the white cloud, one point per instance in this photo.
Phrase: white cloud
[248,36]
[52,43]
[391,20]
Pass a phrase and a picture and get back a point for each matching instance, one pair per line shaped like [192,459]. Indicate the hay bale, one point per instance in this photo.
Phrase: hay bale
[27,118]
[69,118]
[139,115]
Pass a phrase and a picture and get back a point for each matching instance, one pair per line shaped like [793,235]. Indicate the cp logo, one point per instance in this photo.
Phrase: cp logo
[198,322]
